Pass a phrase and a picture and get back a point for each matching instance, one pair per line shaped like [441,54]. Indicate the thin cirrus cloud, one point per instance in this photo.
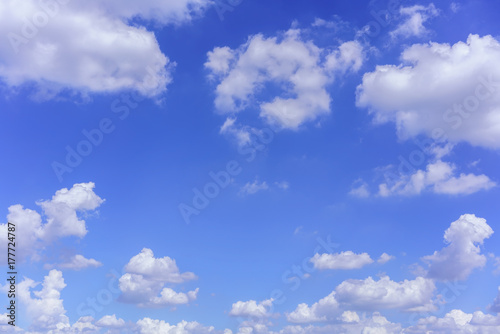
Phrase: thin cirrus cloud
[110,53]
[76,262]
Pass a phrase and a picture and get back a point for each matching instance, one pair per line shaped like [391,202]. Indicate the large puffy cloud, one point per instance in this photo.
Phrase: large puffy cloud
[447,92]
[144,281]
[46,309]
[62,219]
[88,47]
[295,65]
[343,260]
[462,255]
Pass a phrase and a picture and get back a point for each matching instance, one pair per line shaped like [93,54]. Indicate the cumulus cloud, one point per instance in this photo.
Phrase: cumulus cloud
[325,309]
[447,92]
[152,326]
[439,177]
[110,321]
[408,295]
[46,308]
[88,47]
[145,278]
[457,321]
[343,260]
[251,309]
[414,19]
[294,64]
[76,262]
[462,255]
[62,219]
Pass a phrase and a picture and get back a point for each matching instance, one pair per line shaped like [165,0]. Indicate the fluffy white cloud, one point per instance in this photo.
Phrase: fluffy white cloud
[439,177]
[46,309]
[77,262]
[145,278]
[325,309]
[251,309]
[110,321]
[385,258]
[408,295]
[62,219]
[462,255]
[88,47]
[343,260]
[447,92]
[289,61]
[151,326]
[458,322]
[415,17]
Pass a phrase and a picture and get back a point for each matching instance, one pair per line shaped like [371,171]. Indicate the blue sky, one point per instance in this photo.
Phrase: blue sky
[251,167]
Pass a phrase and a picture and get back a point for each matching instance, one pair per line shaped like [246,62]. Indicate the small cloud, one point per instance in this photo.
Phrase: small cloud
[455,7]
[360,191]
[252,188]
[282,185]
[77,262]
[385,258]
[298,229]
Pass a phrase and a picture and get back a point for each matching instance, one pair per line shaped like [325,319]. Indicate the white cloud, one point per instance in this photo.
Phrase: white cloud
[384,258]
[462,255]
[408,295]
[457,322]
[438,177]
[445,92]
[110,321]
[360,190]
[325,309]
[151,326]
[254,187]
[251,308]
[88,47]
[343,260]
[62,219]
[77,262]
[290,62]
[145,278]
[413,25]
[46,309]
